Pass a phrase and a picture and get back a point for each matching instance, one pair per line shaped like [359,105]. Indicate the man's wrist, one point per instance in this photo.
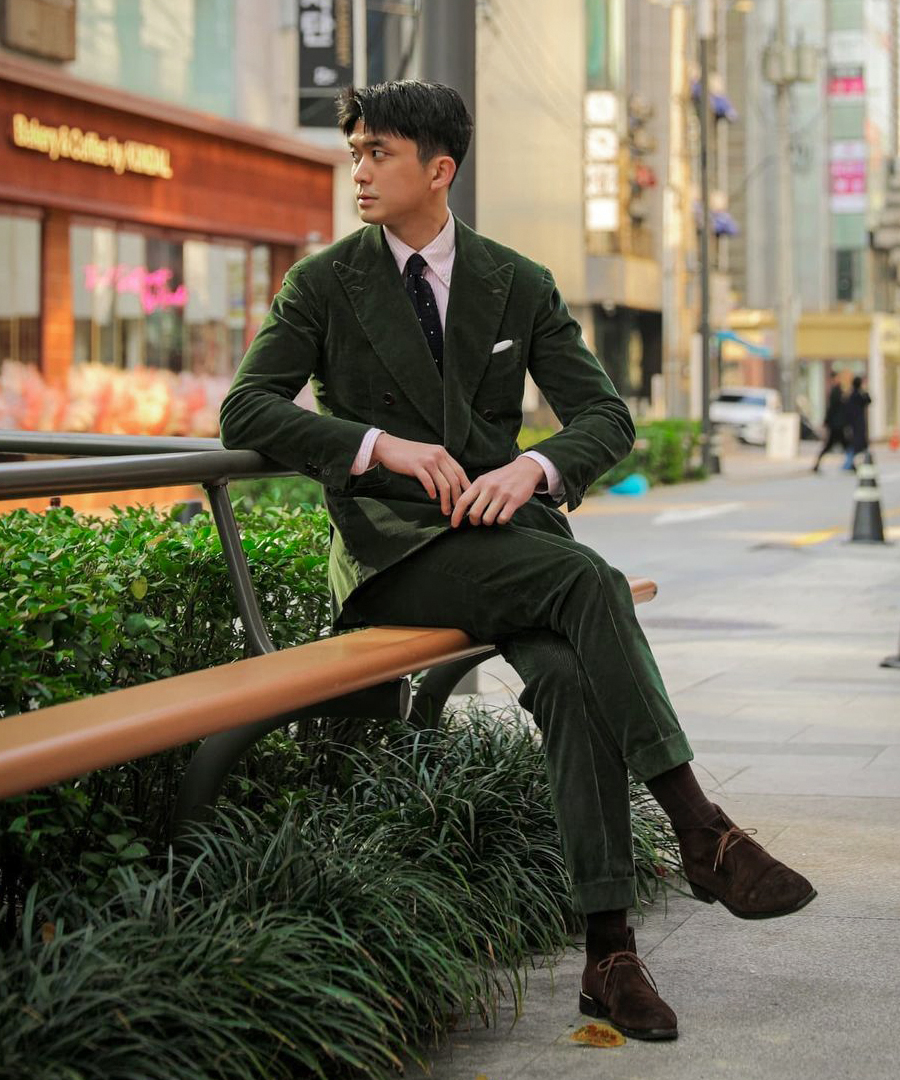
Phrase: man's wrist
[533,467]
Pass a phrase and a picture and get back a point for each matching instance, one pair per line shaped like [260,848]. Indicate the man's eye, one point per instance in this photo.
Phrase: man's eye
[377,153]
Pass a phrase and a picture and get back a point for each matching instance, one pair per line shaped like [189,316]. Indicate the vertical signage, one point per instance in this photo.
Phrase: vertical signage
[847,169]
[601,161]
[325,34]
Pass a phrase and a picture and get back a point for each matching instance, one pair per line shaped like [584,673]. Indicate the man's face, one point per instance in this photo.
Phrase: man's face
[392,184]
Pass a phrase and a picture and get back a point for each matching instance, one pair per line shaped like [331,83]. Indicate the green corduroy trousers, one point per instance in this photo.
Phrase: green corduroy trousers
[565,620]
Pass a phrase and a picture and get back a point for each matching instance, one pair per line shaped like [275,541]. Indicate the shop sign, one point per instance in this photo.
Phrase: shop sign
[846,82]
[326,57]
[152,286]
[601,161]
[107,152]
[847,177]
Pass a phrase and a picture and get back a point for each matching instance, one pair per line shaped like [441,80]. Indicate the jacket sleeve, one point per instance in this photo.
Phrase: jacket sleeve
[597,431]
[259,413]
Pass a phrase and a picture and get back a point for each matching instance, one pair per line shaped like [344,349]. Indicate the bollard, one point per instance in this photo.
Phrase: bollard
[868,527]
[715,452]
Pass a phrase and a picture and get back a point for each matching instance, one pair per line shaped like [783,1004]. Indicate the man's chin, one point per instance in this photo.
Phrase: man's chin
[370,214]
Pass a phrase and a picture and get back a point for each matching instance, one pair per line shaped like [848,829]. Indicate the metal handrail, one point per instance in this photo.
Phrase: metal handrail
[90,444]
[72,476]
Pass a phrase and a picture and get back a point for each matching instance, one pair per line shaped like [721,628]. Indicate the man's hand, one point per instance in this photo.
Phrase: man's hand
[440,474]
[497,495]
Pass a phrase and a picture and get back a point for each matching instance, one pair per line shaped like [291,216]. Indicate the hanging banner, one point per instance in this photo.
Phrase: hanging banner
[325,35]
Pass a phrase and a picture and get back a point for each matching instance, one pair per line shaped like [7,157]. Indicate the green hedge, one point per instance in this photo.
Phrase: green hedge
[666,452]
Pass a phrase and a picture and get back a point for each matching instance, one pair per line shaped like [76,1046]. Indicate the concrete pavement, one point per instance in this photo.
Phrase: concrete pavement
[771,655]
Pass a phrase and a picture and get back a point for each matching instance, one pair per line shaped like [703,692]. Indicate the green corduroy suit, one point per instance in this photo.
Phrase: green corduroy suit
[559,614]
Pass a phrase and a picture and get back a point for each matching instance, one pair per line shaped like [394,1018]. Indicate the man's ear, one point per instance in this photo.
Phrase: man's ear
[443,169]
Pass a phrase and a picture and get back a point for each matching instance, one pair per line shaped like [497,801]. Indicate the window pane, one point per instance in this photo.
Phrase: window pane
[20,288]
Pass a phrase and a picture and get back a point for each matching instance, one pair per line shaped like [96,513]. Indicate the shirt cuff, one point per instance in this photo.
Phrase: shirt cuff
[553,482]
[363,460]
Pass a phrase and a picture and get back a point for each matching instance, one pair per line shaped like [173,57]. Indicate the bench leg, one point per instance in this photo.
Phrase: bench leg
[218,754]
[437,685]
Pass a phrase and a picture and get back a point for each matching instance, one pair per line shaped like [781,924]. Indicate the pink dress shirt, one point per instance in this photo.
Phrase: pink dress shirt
[439,255]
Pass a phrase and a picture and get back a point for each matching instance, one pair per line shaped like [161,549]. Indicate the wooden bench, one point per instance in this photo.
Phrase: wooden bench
[359,674]
[251,696]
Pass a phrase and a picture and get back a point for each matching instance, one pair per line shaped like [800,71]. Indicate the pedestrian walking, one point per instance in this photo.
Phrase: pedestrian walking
[418,333]
[835,420]
[855,414]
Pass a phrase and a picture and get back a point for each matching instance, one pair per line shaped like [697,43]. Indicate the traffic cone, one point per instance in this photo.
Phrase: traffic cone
[868,527]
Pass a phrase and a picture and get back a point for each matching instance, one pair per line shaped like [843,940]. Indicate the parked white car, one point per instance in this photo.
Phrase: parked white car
[747,410]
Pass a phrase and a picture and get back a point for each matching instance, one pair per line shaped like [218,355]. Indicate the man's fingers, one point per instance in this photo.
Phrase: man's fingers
[424,478]
[479,506]
[443,487]
[455,486]
[462,505]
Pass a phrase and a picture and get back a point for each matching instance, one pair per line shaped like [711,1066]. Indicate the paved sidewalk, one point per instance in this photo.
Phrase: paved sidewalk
[797,730]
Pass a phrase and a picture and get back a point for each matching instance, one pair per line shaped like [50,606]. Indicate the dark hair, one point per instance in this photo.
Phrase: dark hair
[857,382]
[432,115]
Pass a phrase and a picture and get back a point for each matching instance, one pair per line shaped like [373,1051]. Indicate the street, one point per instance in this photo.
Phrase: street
[769,629]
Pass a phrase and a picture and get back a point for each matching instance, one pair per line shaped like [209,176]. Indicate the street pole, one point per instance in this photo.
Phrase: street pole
[448,56]
[786,329]
[704,33]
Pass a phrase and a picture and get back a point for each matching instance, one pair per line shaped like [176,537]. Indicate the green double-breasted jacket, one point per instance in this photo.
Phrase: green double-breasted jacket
[344,321]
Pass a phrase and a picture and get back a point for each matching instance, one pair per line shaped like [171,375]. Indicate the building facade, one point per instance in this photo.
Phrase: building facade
[135,229]
[843,148]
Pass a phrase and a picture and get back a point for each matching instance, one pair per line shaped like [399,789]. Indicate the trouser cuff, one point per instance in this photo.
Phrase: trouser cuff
[607,894]
[660,757]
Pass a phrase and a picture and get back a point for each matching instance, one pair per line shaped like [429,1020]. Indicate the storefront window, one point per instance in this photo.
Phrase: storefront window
[154,301]
[20,288]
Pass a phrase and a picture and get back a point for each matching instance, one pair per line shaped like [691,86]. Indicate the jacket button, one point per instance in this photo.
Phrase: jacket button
[488,414]
[311,469]
[387,397]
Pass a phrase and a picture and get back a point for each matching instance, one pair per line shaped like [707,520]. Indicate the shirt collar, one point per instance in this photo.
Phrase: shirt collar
[438,254]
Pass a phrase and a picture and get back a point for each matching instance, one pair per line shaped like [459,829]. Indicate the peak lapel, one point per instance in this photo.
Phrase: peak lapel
[479,289]
[375,290]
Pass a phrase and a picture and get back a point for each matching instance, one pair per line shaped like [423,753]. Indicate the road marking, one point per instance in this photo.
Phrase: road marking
[677,517]
[818,537]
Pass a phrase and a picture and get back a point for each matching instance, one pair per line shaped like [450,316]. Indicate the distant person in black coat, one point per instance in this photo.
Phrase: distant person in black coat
[855,414]
[835,420]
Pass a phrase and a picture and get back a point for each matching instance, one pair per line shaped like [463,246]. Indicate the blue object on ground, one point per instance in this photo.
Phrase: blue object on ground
[636,484]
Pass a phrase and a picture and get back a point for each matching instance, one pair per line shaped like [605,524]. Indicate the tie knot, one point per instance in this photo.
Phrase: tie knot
[415,264]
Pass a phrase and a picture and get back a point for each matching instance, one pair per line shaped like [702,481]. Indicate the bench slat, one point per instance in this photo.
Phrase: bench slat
[68,740]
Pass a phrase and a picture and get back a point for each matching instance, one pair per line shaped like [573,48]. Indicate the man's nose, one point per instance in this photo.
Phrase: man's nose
[361,172]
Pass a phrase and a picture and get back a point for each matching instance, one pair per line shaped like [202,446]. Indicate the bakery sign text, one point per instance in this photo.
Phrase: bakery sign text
[75,144]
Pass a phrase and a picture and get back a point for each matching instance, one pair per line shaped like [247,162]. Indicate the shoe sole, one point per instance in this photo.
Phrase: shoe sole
[707,898]
[589,1006]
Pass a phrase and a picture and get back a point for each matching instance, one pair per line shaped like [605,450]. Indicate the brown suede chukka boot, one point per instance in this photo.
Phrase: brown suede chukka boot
[722,862]
[620,989]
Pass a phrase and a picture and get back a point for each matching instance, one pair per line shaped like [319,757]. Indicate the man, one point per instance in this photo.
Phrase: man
[417,334]
[834,419]
[856,412]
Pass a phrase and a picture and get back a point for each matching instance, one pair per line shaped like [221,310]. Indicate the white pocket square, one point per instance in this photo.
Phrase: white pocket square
[501,346]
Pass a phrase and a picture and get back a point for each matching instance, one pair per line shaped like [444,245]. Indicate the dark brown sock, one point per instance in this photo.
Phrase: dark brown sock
[607,932]
[682,798]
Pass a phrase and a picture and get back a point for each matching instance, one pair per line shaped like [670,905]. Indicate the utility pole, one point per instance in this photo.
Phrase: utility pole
[448,56]
[704,33]
[786,327]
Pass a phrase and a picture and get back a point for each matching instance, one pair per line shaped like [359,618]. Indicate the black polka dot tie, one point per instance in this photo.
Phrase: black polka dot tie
[425,305]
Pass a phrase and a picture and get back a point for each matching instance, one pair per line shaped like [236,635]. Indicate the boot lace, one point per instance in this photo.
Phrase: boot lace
[616,959]
[727,841]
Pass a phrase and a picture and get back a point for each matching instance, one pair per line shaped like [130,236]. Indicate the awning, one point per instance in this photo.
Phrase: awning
[750,346]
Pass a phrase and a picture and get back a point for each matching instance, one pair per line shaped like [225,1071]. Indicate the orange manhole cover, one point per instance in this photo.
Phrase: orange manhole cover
[598,1035]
